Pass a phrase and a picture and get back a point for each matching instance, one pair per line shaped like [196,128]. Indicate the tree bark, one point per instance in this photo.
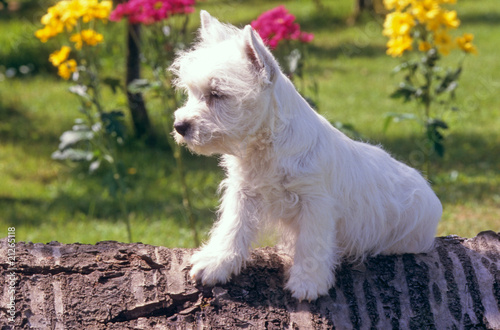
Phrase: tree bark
[138,111]
[114,285]
[374,7]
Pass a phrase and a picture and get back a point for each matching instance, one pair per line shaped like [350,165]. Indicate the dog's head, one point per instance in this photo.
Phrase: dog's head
[228,77]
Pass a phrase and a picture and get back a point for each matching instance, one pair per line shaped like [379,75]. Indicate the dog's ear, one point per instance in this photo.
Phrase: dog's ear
[206,19]
[258,54]
[211,29]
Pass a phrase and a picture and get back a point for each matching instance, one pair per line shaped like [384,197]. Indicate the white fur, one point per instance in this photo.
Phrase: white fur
[331,197]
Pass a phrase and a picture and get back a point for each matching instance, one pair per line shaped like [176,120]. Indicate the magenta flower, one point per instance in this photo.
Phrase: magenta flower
[151,11]
[278,24]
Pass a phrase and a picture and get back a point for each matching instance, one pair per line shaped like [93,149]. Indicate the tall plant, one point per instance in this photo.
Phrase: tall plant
[279,30]
[421,30]
[165,31]
[97,132]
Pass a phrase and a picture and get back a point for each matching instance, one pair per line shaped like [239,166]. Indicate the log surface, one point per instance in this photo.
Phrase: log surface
[113,285]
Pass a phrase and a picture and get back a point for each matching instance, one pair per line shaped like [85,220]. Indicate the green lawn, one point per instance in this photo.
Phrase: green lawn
[47,200]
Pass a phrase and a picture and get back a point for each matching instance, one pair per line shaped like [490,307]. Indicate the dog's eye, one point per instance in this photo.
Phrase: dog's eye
[215,94]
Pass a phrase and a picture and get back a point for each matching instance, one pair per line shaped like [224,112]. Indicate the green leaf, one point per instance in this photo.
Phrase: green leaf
[430,58]
[75,155]
[70,138]
[294,62]
[449,81]
[410,65]
[405,91]
[142,85]
[113,83]
[439,148]
[80,127]
[397,117]
[80,90]
[109,159]
[113,123]
[434,135]
[94,166]
[437,123]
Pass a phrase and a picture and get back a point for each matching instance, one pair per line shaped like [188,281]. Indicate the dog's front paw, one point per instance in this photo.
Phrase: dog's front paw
[308,286]
[212,268]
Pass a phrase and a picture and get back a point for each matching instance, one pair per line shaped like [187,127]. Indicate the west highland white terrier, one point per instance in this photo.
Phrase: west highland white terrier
[331,197]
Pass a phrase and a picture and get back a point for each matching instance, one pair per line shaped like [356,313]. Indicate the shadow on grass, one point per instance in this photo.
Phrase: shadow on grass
[461,176]
[463,152]
[348,49]
[325,20]
[490,18]
[153,192]
[466,173]
[17,127]
[11,119]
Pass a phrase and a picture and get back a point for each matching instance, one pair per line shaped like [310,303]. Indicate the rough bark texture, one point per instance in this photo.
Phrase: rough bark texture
[112,285]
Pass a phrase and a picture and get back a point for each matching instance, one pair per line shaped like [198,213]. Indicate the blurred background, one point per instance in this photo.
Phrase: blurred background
[346,72]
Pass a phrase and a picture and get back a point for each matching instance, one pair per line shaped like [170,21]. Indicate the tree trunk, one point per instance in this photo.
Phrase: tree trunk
[140,118]
[113,285]
[374,7]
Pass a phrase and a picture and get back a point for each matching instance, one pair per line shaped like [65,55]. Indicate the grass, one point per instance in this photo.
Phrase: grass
[46,200]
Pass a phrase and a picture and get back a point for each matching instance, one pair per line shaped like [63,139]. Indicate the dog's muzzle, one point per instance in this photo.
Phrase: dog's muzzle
[182,127]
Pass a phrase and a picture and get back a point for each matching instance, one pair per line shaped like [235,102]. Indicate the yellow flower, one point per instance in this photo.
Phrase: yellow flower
[396,4]
[424,46]
[51,16]
[89,37]
[425,11]
[77,39]
[409,16]
[46,33]
[70,11]
[398,24]
[104,9]
[61,14]
[53,21]
[66,13]
[398,45]
[66,69]
[430,14]
[450,19]
[97,10]
[465,43]
[59,56]
[443,42]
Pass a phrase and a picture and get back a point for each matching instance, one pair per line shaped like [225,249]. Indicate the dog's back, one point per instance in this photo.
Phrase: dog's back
[387,206]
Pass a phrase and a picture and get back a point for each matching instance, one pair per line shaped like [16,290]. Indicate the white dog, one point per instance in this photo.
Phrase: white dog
[331,197]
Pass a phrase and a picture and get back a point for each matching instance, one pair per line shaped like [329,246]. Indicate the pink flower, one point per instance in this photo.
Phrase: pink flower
[306,37]
[151,11]
[277,24]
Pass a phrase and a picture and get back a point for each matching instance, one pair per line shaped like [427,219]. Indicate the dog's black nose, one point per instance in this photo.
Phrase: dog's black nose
[182,127]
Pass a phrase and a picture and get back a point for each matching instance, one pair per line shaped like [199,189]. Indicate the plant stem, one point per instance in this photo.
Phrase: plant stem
[104,143]
[427,111]
[428,153]
[120,197]
[186,200]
